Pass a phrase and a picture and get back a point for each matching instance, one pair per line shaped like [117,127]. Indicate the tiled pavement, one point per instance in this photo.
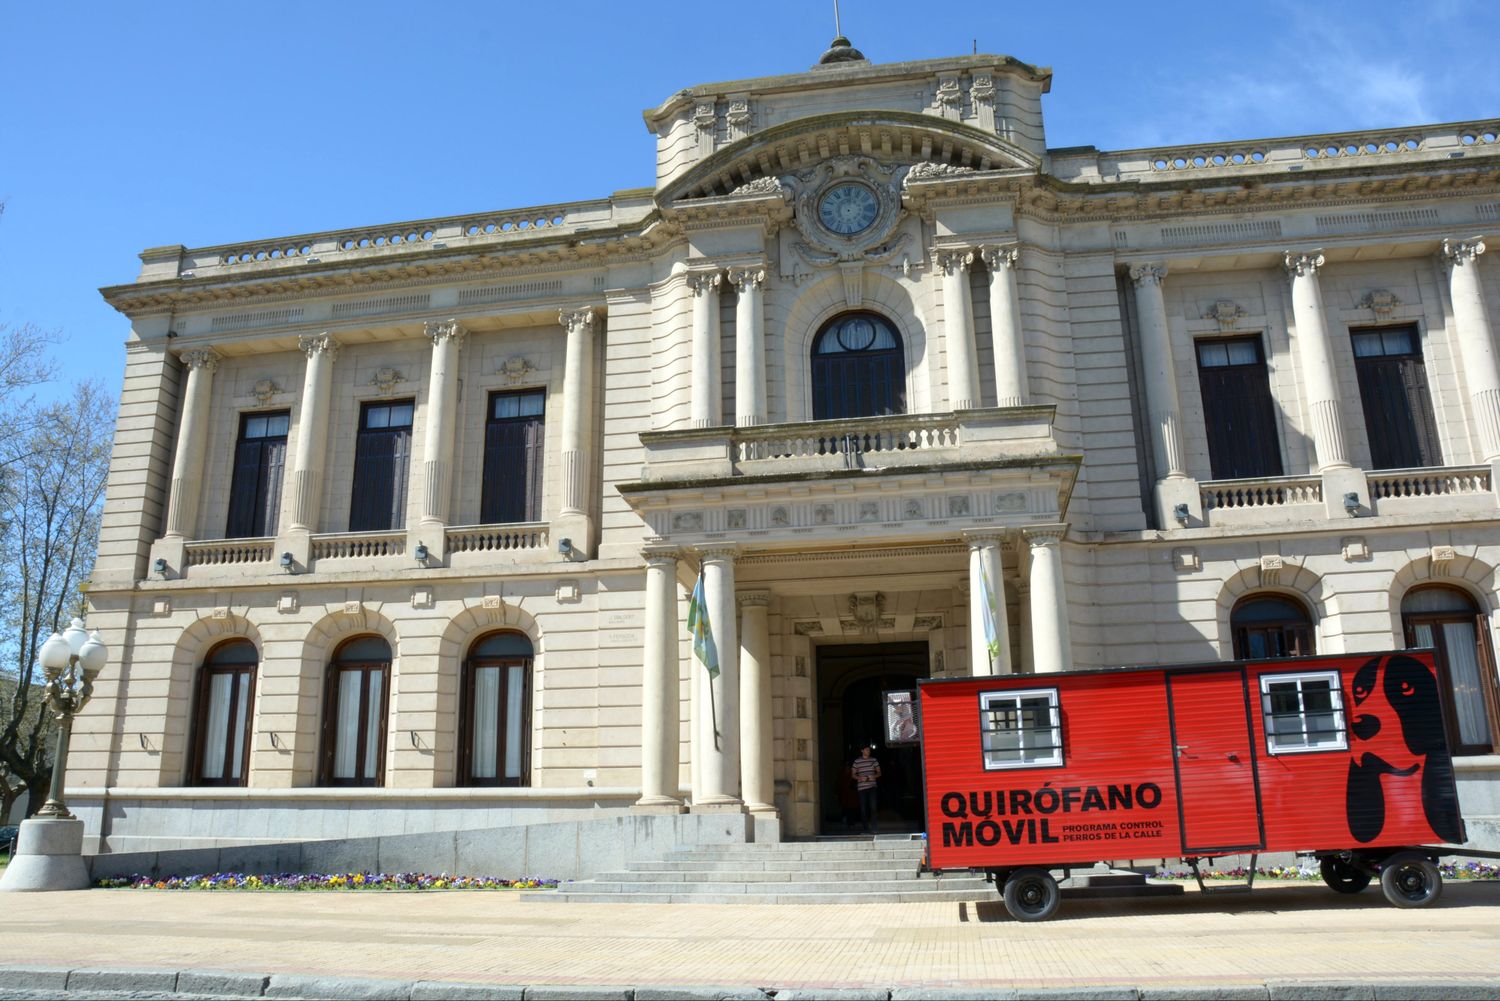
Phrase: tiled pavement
[1281,932]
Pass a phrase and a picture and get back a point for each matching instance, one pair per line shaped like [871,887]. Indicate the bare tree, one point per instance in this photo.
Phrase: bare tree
[51,499]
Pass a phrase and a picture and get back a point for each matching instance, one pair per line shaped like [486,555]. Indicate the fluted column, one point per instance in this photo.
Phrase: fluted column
[574,521]
[1318,375]
[958,327]
[1476,341]
[192,436]
[716,714]
[312,430]
[1163,407]
[442,400]
[987,601]
[749,347]
[757,775]
[707,408]
[659,686]
[1051,645]
[1011,388]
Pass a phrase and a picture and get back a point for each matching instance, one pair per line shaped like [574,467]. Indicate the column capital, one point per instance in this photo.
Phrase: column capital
[318,344]
[1458,253]
[661,556]
[705,282]
[204,358]
[575,318]
[996,258]
[1045,535]
[744,279]
[758,599]
[1143,275]
[952,262]
[718,552]
[445,330]
[984,540]
[1302,265]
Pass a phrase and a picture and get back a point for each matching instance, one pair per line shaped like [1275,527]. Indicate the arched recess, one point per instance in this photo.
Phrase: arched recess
[1474,577]
[1292,581]
[187,656]
[461,632]
[825,299]
[323,638]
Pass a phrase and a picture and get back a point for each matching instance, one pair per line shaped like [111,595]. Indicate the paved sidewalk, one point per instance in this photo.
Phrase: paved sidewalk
[1276,934]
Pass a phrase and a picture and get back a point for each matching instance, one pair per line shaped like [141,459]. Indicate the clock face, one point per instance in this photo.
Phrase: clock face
[847,209]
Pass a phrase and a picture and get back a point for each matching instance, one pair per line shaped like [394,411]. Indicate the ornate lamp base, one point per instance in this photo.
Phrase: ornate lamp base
[49,856]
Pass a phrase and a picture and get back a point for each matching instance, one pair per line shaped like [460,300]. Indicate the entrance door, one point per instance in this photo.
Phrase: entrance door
[850,682]
[1218,792]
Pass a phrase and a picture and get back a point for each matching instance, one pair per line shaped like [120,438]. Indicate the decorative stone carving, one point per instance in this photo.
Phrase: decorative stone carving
[982,88]
[1303,265]
[799,666]
[824,514]
[767,185]
[1147,274]
[705,282]
[780,518]
[515,368]
[869,511]
[927,622]
[736,518]
[996,258]
[386,380]
[204,358]
[958,507]
[811,628]
[264,391]
[1382,302]
[1442,560]
[1010,503]
[949,96]
[490,602]
[1270,570]
[951,261]
[738,116]
[445,330]
[1462,252]
[704,117]
[571,318]
[1226,313]
[687,521]
[318,344]
[1354,548]
[221,612]
[911,509]
[823,247]
[866,609]
[928,170]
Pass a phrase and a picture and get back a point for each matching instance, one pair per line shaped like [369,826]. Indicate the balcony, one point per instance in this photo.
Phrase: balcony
[1275,500]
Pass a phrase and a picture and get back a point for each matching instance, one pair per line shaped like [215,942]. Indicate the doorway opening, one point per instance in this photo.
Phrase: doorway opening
[851,680]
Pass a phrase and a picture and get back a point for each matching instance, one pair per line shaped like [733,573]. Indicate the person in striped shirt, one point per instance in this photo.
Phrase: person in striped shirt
[866,774]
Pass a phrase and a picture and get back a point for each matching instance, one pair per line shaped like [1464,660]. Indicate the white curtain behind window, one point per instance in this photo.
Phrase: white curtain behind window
[1461,645]
[516,678]
[241,718]
[216,724]
[486,717]
[376,720]
[346,732]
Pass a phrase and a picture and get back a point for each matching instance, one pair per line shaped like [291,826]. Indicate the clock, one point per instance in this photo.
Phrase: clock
[848,208]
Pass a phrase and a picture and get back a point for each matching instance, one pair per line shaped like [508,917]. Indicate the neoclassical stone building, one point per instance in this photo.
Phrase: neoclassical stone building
[403,520]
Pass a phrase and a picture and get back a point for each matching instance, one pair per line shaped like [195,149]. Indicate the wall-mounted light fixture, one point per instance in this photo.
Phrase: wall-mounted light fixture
[1351,504]
[1180,512]
[421,553]
[287,563]
[160,566]
[565,548]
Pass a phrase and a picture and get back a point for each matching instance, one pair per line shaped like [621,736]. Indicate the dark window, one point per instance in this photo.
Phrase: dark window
[1266,626]
[1237,409]
[382,458]
[1447,620]
[512,488]
[496,738]
[255,487]
[221,726]
[858,368]
[1398,406]
[354,713]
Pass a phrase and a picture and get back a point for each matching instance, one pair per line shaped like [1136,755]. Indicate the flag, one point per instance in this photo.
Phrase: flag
[702,630]
[991,613]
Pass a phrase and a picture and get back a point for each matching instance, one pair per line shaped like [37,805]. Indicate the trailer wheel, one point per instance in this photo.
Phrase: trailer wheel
[1031,895]
[1343,876]
[1410,879]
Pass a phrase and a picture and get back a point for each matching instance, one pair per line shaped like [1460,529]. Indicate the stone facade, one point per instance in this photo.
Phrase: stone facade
[1053,439]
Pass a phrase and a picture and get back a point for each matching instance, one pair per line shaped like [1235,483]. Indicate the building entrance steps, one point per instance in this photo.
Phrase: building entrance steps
[795,872]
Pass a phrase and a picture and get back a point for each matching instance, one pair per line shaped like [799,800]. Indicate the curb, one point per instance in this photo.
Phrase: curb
[87,982]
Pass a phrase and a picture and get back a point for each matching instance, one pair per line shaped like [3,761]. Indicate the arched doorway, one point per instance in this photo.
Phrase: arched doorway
[851,681]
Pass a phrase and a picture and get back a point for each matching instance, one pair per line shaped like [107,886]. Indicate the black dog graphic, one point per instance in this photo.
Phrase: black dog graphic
[1404,693]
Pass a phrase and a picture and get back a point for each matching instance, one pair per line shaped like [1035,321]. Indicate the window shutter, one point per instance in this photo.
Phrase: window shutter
[244,491]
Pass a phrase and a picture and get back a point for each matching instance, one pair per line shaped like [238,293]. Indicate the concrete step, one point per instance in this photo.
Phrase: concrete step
[809,859]
[830,869]
[779,889]
[943,895]
[852,876]
[808,849]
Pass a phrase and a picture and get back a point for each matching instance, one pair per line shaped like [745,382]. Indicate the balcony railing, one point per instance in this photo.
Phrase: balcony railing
[497,538]
[228,552]
[358,545]
[1435,482]
[1270,491]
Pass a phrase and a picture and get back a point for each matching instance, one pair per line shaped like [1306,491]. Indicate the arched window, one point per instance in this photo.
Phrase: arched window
[1268,625]
[496,739]
[221,727]
[354,713]
[1449,621]
[858,368]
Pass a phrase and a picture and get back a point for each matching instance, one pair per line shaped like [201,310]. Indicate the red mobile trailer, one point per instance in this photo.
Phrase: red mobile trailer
[1345,757]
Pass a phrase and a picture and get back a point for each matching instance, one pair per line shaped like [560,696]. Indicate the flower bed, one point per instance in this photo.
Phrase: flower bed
[1449,870]
[326,881]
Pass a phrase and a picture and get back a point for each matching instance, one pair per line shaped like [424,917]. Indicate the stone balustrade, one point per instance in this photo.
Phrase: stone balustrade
[228,552]
[497,538]
[357,545]
[1270,491]
[1435,482]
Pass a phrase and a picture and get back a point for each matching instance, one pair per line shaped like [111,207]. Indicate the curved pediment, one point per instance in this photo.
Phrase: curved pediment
[893,137]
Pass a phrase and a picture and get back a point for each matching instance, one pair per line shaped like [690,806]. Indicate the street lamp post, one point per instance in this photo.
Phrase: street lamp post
[49,852]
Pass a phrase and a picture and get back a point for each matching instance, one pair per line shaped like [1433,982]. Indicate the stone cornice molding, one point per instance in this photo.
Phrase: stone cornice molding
[438,331]
[952,261]
[204,358]
[759,599]
[1045,535]
[1143,275]
[743,278]
[584,318]
[1460,253]
[319,344]
[1006,256]
[1302,265]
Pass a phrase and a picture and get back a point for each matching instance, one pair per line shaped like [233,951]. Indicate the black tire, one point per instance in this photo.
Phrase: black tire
[1409,879]
[1031,895]
[1345,877]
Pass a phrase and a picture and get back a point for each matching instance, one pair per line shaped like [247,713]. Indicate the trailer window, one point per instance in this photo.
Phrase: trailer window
[1303,712]
[1020,729]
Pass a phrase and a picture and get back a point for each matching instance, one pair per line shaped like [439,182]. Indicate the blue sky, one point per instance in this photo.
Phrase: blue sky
[131,126]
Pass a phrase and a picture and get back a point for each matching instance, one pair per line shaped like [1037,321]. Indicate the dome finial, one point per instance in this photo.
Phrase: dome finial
[840,50]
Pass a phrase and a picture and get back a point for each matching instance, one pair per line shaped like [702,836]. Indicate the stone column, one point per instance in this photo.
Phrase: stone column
[1476,341]
[749,347]
[437,449]
[574,522]
[958,327]
[987,584]
[659,687]
[716,717]
[1009,341]
[1051,647]
[757,770]
[707,407]
[312,431]
[1318,374]
[192,437]
[1162,406]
